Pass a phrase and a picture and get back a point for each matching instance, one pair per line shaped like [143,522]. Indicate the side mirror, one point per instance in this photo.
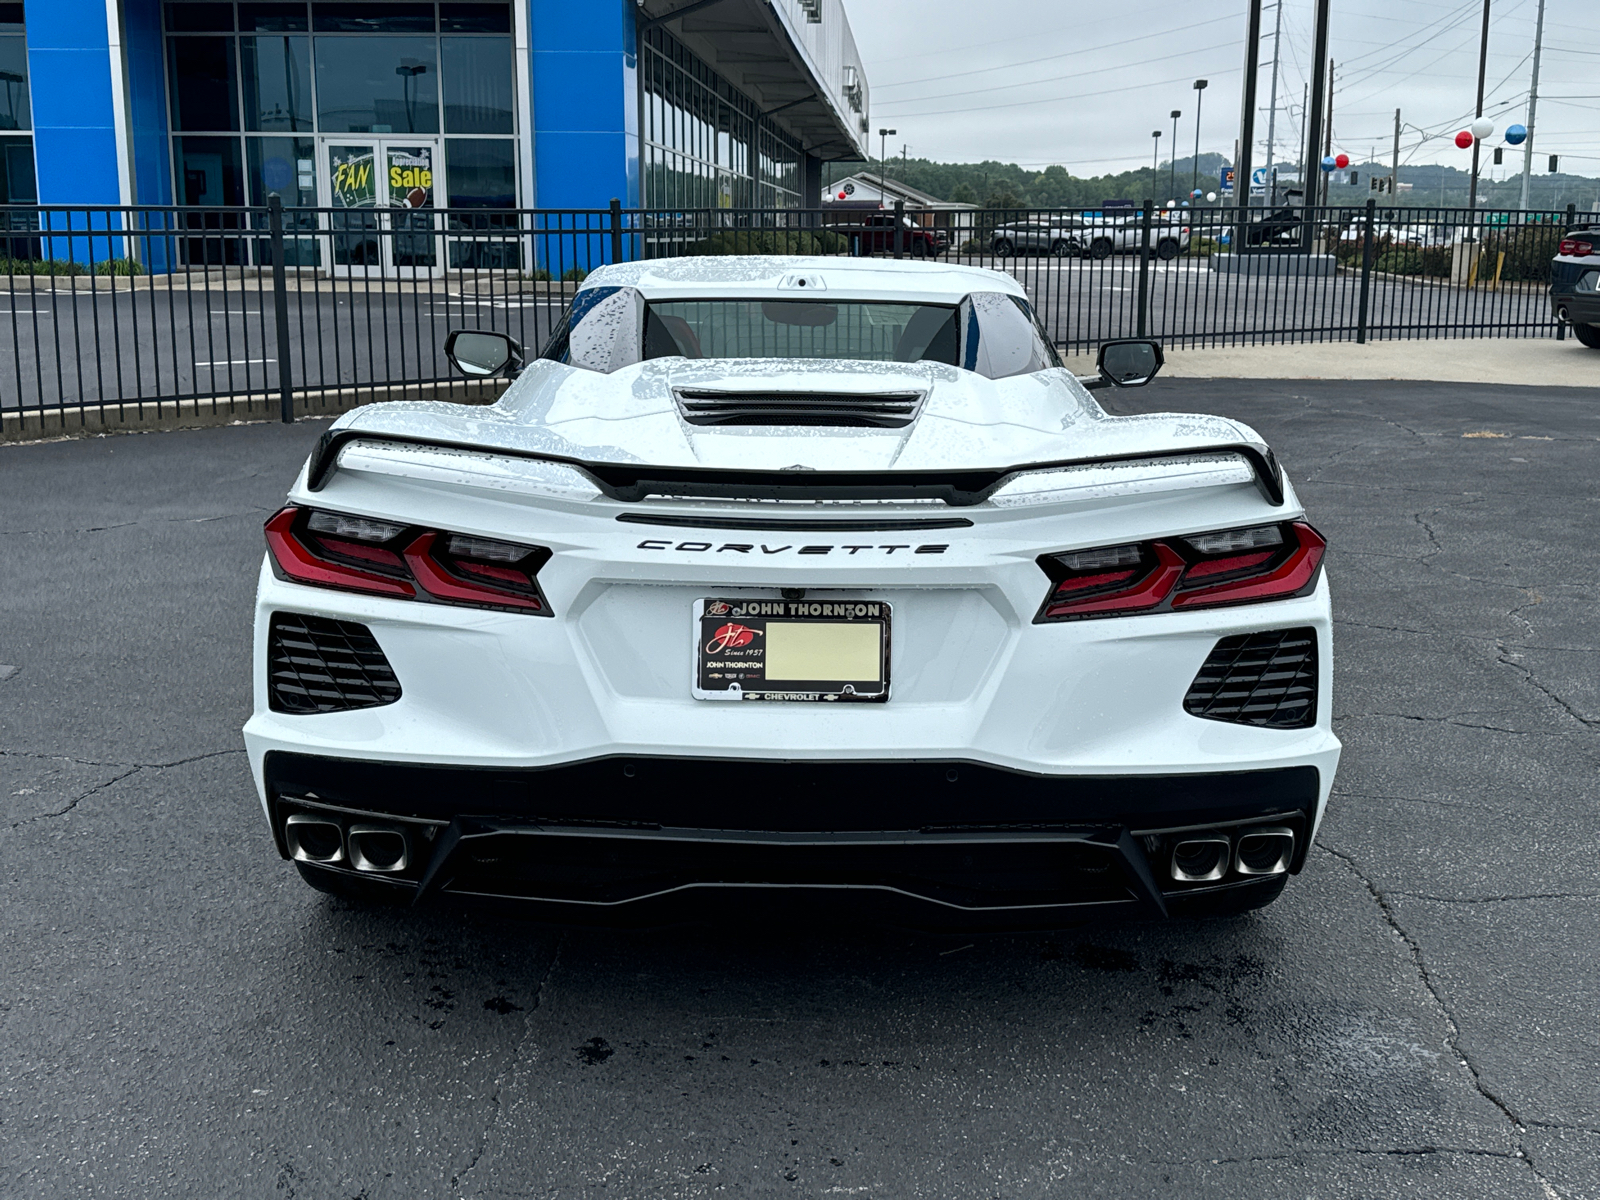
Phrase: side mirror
[1130,363]
[481,354]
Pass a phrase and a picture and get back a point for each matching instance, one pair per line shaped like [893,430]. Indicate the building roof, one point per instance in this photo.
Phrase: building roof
[869,187]
[797,59]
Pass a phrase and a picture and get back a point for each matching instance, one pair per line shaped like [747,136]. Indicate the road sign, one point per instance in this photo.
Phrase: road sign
[1225,181]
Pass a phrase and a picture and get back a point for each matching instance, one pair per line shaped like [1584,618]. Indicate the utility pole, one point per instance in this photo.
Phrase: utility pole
[1272,108]
[1394,171]
[1533,105]
[1199,94]
[1327,142]
[1176,113]
[1483,65]
[1319,60]
[1245,147]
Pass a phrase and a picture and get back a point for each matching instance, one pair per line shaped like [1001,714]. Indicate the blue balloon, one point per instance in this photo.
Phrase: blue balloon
[1328,164]
[1516,135]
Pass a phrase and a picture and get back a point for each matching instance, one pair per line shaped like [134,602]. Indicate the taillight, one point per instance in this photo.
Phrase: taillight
[360,554]
[1230,566]
[1576,247]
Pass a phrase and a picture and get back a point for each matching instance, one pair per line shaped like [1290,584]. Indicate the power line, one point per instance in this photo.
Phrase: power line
[1133,87]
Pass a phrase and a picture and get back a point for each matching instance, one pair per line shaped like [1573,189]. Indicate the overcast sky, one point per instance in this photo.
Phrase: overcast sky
[1083,84]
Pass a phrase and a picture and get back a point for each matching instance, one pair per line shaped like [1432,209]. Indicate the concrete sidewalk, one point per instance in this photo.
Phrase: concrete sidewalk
[1544,362]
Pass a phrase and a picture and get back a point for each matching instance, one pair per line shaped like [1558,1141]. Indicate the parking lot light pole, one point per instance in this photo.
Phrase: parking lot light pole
[1176,113]
[883,159]
[1155,158]
[1199,94]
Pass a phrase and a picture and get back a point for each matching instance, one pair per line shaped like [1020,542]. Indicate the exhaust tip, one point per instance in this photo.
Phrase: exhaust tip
[383,849]
[1201,859]
[313,839]
[1264,851]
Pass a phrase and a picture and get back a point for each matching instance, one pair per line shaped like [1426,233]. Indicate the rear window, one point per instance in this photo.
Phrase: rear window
[991,333]
[872,332]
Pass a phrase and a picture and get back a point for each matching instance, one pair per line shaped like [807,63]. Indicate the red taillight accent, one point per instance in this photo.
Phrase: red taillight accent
[1145,592]
[1576,247]
[438,582]
[1287,578]
[298,562]
[1220,566]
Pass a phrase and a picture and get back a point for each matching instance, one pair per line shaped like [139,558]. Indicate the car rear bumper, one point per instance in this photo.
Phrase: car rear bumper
[932,842]
[1582,308]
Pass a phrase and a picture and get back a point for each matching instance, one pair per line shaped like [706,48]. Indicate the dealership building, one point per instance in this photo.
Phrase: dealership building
[468,104]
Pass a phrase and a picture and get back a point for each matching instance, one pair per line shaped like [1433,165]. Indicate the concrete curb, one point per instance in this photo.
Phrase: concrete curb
[150,416]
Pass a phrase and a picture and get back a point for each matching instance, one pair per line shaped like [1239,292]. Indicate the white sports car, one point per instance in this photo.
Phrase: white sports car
[815,577]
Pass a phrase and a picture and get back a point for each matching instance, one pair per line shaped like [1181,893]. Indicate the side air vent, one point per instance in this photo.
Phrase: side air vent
[881,410]
[1267,679]
[315,665]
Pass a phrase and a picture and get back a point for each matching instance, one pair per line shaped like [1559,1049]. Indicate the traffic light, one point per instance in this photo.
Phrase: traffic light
[1498,156]
[1554,159]
[1355,178]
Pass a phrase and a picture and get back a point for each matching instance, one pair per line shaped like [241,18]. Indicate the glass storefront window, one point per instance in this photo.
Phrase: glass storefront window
[377,85]
[14,83]
[268,17]
[372,18]
[204,91]
[481,174]
[200,18]
[486,17]
[17,184]
[287,166]
[277,83]
[209,171]
[477,85]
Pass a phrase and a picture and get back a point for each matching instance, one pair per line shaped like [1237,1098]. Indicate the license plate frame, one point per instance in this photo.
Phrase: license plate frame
[732,639]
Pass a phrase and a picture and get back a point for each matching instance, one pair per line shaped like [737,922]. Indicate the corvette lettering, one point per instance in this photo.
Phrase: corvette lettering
[752,547]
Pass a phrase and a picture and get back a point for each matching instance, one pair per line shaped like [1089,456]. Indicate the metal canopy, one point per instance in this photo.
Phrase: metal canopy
[749,44]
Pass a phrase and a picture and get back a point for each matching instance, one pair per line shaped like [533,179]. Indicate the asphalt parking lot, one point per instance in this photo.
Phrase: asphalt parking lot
[181,1016]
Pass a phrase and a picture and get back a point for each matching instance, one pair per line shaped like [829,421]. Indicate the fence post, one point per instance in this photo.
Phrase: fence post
[280,305]
[1144,269]
[899,226]
[1367,248]
[616,230]
[1572,219]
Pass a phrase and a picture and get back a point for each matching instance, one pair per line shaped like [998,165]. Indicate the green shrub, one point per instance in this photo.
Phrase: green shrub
[1202,247]
[40,266]
[574,275]
[119,266]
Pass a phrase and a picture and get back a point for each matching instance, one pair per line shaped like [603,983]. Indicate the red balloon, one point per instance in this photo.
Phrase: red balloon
[1342,161]
[841,195]
[1464,139]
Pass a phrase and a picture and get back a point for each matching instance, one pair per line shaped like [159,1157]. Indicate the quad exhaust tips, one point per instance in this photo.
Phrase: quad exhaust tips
[379,849]
[314,839]
[325,841]
[1253,851]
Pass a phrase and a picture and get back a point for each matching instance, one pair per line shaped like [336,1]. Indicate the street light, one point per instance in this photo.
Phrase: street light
[1199,94]
[1155,158]
[1173,188]
[883,161]
[408,70]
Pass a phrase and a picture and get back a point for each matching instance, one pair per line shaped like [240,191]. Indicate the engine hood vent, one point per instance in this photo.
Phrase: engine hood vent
[877,410]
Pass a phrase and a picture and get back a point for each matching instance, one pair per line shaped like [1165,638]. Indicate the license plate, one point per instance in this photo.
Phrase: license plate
[791,650]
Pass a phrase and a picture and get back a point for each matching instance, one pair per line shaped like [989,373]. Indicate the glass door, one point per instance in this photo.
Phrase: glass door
[382,192]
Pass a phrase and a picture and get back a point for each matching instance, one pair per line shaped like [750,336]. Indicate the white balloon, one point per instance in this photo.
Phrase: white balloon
[1212,197]
[1482,128]
[1172,204]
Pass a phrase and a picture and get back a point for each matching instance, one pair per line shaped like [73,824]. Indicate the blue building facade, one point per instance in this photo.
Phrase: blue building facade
[465,104]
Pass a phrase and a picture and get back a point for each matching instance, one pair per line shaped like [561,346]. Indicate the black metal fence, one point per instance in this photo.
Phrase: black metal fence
[253,311]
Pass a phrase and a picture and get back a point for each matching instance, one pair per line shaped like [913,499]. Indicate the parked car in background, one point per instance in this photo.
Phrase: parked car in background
[1169,235]
[1059,235]
[873,233]
[1575,284]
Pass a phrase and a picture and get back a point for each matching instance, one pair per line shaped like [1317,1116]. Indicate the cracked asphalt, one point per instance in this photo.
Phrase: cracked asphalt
[1416,1017]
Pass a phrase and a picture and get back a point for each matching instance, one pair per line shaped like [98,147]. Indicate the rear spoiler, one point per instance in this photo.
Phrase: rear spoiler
[630,483]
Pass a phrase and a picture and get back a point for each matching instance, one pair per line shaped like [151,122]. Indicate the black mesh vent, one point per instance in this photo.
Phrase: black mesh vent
[1265,679]
[315,665]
